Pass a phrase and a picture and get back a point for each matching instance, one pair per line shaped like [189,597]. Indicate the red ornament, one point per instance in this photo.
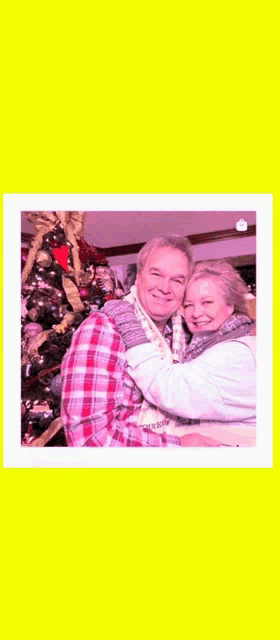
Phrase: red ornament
[24,254]
[109,296]
[61,256]
[84,293]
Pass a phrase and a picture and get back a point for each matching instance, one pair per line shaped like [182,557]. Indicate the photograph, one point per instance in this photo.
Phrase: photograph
[138,329]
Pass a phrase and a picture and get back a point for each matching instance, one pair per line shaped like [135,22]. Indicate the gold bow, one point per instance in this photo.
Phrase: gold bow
[44,221]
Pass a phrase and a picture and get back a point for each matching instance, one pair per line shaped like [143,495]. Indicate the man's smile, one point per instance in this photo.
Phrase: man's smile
[161,300]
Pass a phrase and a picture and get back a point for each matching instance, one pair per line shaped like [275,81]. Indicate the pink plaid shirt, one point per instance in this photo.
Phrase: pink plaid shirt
[100,402]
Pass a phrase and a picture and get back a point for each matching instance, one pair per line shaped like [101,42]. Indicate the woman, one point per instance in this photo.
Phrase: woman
[216,384]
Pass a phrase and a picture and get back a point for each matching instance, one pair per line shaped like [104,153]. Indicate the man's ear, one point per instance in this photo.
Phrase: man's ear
[136,280]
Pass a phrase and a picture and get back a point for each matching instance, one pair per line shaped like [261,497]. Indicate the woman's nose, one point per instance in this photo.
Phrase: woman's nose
[196,312]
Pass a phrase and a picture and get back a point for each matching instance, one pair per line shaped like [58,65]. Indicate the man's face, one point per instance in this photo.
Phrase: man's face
[161,283]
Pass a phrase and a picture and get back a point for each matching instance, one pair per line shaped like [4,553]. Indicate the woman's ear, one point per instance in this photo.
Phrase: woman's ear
[230,308]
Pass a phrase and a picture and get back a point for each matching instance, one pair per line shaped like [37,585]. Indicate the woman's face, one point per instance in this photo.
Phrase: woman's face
[205,308]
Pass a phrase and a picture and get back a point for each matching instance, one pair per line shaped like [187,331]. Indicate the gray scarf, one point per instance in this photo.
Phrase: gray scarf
[234,327]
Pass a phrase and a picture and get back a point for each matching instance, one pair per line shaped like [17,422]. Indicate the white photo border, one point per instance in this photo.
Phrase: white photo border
[16,456]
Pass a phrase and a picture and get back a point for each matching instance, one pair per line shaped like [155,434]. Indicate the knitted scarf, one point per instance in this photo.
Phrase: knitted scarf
[150,417]
[236,326]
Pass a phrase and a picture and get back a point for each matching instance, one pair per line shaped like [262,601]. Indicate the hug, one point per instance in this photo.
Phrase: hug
[172,364]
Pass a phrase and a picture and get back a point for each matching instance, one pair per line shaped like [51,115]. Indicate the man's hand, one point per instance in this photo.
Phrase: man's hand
[197,440]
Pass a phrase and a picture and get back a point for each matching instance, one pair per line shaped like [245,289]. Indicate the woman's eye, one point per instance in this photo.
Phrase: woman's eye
[207,302]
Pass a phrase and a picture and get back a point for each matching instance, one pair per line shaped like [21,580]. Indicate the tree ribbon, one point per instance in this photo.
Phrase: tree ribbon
[45,221]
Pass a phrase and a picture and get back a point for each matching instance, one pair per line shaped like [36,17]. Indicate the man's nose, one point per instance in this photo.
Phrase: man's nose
[164,285]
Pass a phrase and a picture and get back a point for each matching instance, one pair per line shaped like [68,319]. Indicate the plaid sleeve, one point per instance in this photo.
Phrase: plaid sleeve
[93,391]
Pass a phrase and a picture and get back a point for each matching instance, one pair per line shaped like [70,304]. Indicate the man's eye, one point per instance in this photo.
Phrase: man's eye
[207,302]
[179,281]
[187,306]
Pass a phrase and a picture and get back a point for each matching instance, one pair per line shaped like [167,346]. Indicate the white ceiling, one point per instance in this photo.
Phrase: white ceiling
[114,228]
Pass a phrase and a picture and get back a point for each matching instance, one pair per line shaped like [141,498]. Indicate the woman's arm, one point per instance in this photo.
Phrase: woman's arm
[218,385]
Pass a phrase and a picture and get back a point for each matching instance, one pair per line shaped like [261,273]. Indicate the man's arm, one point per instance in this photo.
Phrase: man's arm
[98,397]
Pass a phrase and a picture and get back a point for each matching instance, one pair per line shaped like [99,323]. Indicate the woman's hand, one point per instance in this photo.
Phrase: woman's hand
[126,322]
[197,440]
[117,308]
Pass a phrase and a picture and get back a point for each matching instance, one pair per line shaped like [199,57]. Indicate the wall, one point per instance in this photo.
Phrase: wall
[214,250]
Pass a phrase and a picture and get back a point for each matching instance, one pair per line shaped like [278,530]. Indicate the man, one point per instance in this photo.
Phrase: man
[101,405]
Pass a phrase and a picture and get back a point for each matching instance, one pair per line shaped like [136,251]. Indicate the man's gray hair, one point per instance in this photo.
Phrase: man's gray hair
[230,281]
[173,241]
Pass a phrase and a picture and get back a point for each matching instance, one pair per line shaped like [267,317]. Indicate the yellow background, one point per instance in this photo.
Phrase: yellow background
[151,98]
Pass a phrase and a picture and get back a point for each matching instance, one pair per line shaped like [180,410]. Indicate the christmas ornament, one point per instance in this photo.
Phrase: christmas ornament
[24,255]
[43,258]
[33,314]
[23,307]
[87,276]
[32,329]
[105,278]
[37,299]
[108,296]
[45,222]
[61,256]
[56,385]
[84,293]
[54,310]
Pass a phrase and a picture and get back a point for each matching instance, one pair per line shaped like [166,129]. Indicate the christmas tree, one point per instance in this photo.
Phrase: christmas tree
[64,279]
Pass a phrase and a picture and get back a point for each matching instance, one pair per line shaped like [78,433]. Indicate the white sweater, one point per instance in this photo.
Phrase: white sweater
[219,385]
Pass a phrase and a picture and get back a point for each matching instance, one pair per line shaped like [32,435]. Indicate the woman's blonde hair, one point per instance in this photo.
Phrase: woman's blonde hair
[231,283]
